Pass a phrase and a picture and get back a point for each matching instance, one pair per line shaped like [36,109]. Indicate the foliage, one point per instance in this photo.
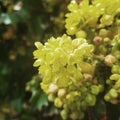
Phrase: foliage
[81,69]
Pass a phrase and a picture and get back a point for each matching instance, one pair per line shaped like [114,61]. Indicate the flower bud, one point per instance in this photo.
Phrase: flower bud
[81,34]
[90,99]
[114,77]
[51,97]
[86,68]
[107,97]
[97,40]
[74,115]
[53,88]
[63,113]
[87,77]
[109,60]
[95,89]
[58,103]
[61,93]
[103,33]
[113,93]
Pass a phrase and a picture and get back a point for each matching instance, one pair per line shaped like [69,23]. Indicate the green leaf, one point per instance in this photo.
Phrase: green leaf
[39,99]
[42,101]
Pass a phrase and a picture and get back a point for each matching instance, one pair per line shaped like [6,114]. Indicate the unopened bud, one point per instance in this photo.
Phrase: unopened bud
[51,97]
[53,88]
[58,103]
[87,77]
[109,60]
[61,93]
[97,40]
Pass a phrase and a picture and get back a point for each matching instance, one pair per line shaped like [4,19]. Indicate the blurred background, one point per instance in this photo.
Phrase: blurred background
[22,22]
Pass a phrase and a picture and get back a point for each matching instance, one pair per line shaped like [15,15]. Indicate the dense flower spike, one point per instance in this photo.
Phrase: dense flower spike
[67,75]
